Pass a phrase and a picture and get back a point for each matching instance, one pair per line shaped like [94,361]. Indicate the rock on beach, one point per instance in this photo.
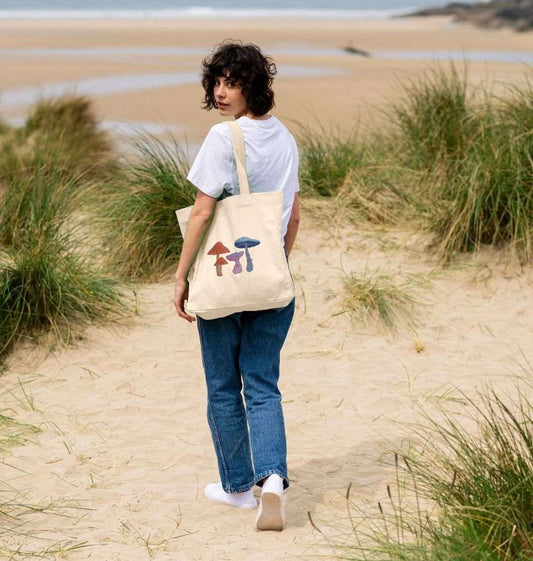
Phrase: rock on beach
[517,14]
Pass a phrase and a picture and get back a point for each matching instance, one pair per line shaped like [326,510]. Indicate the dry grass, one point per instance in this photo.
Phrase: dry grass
[375,297]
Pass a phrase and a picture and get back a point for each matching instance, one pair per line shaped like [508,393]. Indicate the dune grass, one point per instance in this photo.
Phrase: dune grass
[69,129]
[50,287]
[4,127]
[433,118]
[50,171]
[375,297]
[14,433]
[64,131]
[38,204]
[456,159]
[47,281]
[466,494]
[483,195]
[361,177]
[139,216]
[489,197]
[476,150]
[327,157]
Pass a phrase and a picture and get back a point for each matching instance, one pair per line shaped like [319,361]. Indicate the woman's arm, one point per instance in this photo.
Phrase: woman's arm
[202,210]
[294,223]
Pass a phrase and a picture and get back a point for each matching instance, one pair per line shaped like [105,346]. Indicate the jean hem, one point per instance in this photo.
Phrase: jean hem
[240,488]
[268,472]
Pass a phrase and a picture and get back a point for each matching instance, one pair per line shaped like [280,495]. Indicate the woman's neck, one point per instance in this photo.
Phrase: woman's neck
[254,117]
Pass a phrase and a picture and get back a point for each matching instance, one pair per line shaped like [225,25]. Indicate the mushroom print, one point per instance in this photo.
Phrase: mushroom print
[220,261]
[218,249]
[236,258]
[245,243]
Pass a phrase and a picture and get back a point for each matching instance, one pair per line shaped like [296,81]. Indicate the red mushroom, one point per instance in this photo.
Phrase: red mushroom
[218,249]
[220,261]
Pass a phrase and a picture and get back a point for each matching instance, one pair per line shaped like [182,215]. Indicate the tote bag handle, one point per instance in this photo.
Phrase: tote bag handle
[239,152]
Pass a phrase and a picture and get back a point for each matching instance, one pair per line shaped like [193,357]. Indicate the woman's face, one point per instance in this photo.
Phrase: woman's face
[229,99]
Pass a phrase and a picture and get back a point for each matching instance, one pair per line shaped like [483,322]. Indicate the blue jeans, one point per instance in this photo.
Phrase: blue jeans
[241,352]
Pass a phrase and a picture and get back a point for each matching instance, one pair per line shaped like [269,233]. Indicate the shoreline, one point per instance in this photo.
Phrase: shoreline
[206,13]
[95,51]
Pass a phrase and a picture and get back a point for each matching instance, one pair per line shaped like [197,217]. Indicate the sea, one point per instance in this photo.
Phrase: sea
[160,9]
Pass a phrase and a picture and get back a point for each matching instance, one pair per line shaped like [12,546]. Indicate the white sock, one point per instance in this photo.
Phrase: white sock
[273,484]
[214,492]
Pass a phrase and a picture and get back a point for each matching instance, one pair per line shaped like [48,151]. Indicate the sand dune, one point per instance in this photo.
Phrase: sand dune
[125,440]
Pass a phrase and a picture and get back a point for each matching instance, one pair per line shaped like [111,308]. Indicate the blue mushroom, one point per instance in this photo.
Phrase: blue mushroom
[245,243]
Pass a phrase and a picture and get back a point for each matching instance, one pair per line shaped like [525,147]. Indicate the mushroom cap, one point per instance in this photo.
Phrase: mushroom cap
[245,242]
[235,256]
[221,261]
[218,249]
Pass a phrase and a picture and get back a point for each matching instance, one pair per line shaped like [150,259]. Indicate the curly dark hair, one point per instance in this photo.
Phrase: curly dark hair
[248,67]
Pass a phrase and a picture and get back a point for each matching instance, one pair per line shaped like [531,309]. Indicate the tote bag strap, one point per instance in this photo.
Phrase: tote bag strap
[239,151]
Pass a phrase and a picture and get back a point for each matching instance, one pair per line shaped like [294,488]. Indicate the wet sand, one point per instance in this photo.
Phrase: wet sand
[146,71]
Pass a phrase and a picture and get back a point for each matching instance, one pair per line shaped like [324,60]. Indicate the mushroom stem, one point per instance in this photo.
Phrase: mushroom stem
[249,262]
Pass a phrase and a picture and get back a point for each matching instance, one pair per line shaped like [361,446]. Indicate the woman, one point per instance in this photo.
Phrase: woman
[241,351]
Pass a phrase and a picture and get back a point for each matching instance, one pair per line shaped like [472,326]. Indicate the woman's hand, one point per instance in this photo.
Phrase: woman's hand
[181,294]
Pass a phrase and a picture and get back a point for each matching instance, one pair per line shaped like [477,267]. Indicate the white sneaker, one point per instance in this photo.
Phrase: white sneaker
[271,515]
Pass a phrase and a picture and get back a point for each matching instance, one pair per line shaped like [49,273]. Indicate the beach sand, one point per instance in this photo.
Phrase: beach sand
[124,450]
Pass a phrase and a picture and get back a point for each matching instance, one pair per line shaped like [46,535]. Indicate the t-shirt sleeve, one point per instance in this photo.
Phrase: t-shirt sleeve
[212,169]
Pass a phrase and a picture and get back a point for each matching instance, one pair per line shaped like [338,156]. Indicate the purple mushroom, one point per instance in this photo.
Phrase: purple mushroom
[235,257]
[245,243]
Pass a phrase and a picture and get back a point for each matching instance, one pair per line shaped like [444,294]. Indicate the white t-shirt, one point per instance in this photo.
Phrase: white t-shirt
[271,161]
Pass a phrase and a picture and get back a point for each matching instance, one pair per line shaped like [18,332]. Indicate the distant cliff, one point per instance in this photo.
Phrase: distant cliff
[517,14]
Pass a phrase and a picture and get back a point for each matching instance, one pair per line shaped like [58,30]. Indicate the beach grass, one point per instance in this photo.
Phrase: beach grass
[50,287]
[433,118]
[21,527]
[363,178]
[139,216]
[465,494]
[455,161]
[488,199]
[14,433]
[67,128]
[376,194]
[4,127]
[376,297]
[475,149]
[327,157]
[38,204]
[51,171]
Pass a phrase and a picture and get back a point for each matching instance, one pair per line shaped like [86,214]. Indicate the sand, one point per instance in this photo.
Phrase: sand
[124,449]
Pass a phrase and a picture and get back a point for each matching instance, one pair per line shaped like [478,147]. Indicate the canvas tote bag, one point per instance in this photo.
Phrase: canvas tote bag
[241,264]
